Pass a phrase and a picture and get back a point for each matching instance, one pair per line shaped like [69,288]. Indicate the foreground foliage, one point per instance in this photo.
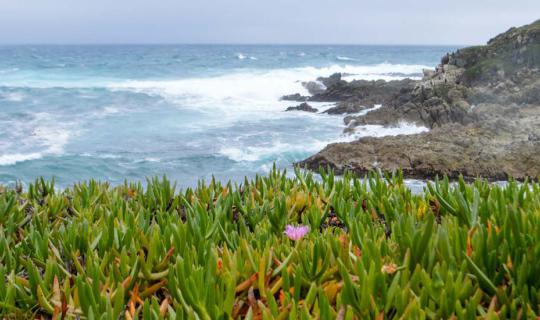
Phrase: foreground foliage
[374,250]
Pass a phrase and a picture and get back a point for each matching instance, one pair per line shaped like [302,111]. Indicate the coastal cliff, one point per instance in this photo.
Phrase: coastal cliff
[482,105]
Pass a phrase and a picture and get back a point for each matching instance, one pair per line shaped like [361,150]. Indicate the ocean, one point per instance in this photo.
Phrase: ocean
[190,112]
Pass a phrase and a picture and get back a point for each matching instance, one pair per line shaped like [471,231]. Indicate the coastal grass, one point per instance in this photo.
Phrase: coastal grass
[374,250]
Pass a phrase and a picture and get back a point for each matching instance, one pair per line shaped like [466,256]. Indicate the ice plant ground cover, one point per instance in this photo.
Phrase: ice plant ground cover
[373,250]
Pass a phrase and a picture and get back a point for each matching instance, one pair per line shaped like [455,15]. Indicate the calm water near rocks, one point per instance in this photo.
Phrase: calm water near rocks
[128,112]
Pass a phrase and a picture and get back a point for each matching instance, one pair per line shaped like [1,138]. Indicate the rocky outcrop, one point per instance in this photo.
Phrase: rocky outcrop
[366,93]
[506,70]
[482,105]
[295,97]
[426,156]
[497,149]
[302,107]
[347,107]
[314,87]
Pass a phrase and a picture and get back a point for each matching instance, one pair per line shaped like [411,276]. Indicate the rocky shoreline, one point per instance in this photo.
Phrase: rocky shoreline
[482,105]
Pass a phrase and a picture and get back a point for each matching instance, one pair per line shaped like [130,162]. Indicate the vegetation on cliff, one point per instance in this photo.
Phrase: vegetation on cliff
[273,248]
[507,53]
[481,104]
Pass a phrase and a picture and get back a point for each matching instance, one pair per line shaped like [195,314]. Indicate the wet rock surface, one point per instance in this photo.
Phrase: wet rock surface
[302,107]
[295,97]
[482,105]
[347,107]
[494,150]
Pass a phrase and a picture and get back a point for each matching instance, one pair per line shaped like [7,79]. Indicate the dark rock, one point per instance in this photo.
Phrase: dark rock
[445,59]
[295,97]
[347,107]
[302,107]
[314,87]
[451,150]
[482,104]
[333,80]
[362,91]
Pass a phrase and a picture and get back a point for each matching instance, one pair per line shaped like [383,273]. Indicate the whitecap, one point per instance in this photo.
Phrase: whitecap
[277,148]
[279,77]
[11,159]
[101,155]
[13,96]
[252,95]
[54,139]
[344,58]
[253,153]
[256,92]
[382,71]
[147,159]
[38,134]
[110,110]
[10,70]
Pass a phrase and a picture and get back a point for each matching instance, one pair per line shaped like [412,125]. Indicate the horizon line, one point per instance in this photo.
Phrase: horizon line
[235,44]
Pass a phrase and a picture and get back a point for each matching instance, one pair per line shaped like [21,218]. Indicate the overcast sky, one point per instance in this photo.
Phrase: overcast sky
[261,21]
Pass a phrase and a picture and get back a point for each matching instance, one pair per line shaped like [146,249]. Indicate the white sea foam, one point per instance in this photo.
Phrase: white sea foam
[277,148]
[241,56]
[48,133]
[241,95]
[252,153]
[278,77]
[13,96]
[233,94]
[147,159]
[110,110]
[344,58]
[11,159]
[41,135]
[100,155]
[255,91]
[104,112]
[382,131]
[384,71]
[10,70]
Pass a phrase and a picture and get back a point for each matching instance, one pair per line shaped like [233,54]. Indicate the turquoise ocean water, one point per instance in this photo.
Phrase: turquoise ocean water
[187,111]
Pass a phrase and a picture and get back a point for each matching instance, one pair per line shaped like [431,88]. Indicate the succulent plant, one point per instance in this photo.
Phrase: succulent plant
[221,251]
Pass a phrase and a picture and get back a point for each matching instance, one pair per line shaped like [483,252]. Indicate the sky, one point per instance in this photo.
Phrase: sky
[261,21]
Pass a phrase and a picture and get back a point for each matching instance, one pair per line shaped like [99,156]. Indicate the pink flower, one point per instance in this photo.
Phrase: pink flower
[296,233]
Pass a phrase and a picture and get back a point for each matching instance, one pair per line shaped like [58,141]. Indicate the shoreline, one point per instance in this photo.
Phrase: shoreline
[481,105]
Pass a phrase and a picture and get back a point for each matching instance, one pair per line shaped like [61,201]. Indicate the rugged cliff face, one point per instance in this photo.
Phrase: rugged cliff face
[505,71]
[482,104]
